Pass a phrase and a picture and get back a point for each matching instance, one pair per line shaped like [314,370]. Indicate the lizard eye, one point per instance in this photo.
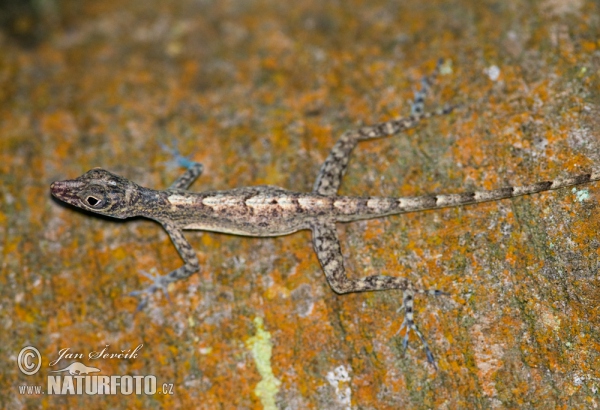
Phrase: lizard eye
[92,201]
[94,198]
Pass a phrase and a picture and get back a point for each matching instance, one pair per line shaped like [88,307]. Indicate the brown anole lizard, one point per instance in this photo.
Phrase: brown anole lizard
[272,211]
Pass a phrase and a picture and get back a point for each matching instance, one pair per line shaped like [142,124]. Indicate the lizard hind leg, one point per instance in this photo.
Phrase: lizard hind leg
[330,175]
[327,248]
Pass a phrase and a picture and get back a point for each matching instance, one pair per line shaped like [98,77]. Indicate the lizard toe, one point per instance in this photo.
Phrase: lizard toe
[159,283]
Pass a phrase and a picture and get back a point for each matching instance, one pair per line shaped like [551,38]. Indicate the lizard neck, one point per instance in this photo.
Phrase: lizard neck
[150,203]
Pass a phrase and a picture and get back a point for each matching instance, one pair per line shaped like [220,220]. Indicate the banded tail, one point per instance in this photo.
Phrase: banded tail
[365,208]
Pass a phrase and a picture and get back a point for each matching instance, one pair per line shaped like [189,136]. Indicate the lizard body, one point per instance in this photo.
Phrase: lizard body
[272,211]
[262,210]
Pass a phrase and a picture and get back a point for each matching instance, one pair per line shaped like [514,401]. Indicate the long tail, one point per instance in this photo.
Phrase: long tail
[364,208]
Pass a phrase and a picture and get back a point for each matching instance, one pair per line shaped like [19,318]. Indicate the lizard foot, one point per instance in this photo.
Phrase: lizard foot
[159,282]
[409,322]
[178,160]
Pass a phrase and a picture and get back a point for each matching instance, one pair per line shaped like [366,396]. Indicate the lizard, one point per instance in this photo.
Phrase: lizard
[264,211]
[77,368]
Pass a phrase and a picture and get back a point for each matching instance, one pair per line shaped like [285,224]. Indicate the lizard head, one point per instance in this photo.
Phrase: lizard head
[99,191]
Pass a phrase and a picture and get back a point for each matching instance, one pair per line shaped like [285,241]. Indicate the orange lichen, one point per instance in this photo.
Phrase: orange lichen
[258,94]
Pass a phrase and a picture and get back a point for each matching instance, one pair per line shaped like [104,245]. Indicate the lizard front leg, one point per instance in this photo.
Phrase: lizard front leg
[191,266]
[193,171]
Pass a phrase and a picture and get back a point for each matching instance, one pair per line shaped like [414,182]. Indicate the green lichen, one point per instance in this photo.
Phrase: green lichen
[261,348]
[582,195]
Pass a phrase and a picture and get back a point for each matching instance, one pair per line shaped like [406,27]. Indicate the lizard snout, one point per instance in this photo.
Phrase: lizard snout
[66,190]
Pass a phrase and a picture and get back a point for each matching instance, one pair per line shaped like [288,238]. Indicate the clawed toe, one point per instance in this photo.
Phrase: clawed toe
[409,325]
[178,160]
[144,294]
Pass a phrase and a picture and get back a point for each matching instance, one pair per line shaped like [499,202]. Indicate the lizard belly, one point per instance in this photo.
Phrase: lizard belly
[260,229]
